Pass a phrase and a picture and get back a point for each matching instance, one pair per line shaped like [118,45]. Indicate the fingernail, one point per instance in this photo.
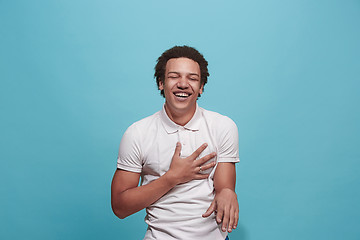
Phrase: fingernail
[178,144]
[224,229]
[205,144]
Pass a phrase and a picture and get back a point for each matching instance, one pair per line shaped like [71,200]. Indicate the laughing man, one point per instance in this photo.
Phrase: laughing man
[185,156]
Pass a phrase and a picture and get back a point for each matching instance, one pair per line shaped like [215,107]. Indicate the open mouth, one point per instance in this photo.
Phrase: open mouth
[182,94]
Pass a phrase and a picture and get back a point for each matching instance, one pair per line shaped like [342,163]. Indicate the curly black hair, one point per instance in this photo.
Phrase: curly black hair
[178,52]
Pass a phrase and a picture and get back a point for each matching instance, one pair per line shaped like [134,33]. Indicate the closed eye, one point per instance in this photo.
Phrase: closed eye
[193,77]
[173,75]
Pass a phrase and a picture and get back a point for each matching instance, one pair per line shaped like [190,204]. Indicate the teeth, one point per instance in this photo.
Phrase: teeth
[181,94]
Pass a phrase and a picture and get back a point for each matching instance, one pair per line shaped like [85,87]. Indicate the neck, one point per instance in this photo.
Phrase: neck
[179,117]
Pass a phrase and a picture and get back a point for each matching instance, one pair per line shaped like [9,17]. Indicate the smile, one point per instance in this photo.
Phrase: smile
[182,94]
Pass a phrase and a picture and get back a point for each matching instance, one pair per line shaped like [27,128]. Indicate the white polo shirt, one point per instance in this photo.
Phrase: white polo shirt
[147,147]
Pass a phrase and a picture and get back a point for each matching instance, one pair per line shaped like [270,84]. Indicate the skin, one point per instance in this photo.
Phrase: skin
[225,203]
[182,76]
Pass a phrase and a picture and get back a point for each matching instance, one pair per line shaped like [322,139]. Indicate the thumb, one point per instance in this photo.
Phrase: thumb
[177,149]
[210,210]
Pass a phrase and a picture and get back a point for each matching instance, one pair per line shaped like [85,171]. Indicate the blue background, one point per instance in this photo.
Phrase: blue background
[75,74]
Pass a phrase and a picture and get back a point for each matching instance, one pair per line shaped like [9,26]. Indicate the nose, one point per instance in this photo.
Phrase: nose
[182,83]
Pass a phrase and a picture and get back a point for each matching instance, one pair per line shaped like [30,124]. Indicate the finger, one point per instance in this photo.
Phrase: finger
[204,159]
[219,215]
[225,220]
[236,218]
[231,220]
[210,210]
[198,151]
[177,149]
[207,166]
[200,176]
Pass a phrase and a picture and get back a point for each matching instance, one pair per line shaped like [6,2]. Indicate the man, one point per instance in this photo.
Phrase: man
[185,156]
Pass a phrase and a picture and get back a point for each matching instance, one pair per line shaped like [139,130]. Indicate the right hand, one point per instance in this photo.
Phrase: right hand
[183,170]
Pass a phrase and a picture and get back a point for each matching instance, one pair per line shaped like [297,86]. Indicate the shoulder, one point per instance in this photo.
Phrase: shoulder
[145,123]
[218,120]
[132,140]
[225,135]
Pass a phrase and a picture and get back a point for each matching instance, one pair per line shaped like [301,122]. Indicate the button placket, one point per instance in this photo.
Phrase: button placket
[184,140]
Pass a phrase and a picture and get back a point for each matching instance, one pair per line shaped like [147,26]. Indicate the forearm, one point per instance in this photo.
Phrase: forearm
[127,198]
[132,200]
[225,203]
[225,177]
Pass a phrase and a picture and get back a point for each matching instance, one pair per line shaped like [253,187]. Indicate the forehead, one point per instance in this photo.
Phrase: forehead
[182,65]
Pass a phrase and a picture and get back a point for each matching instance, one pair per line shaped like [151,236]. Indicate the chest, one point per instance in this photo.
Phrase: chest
[157,156]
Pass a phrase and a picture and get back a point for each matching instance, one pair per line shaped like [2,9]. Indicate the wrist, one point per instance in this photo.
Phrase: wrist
[170,179]
[225,189]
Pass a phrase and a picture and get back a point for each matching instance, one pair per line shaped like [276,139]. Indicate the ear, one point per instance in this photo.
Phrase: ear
[201,89]
[161,85]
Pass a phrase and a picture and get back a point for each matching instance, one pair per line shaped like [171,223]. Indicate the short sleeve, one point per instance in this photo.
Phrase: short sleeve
[228,141]
[129,157]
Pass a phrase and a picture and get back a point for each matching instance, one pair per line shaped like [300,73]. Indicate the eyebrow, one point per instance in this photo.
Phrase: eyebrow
[195,74]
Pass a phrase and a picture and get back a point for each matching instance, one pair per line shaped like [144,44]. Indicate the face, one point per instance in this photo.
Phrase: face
[181,86]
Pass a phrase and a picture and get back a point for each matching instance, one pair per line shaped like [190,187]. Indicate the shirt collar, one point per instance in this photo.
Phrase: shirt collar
[171,127]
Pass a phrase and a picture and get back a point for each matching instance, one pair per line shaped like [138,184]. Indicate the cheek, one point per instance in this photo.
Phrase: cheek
[167,89]
[196,87]
[170,85]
